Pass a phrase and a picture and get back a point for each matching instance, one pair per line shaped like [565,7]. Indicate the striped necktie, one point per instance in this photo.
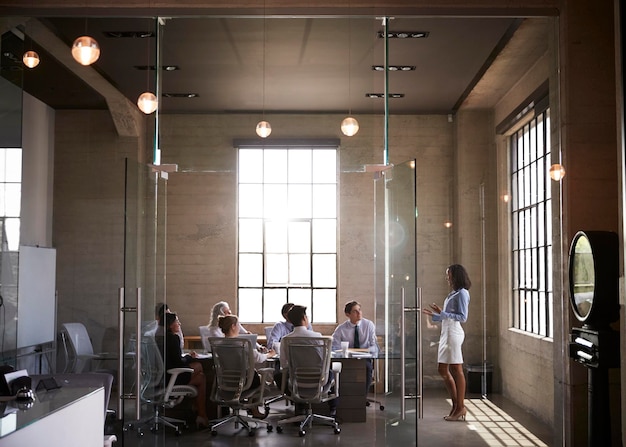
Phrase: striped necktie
[357,343]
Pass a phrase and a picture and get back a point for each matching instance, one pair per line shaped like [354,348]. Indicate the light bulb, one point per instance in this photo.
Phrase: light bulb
[263,129]
[147,102]
[31,59]
[349,126]
[557,172]
[85,50]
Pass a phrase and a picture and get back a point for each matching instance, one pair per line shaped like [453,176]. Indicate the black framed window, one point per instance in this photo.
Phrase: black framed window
[287,230]
[531,212]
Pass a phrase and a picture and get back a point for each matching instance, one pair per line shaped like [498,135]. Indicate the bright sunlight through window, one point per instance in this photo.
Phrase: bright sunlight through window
[287,232]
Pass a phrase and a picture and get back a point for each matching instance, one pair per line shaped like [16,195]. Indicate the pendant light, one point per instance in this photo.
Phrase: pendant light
[30,58]
[85,50]
[263,128]
[349,125]
[557,172]
[147,101]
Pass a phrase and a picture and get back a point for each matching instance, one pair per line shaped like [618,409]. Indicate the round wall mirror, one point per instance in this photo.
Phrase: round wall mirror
[594,277]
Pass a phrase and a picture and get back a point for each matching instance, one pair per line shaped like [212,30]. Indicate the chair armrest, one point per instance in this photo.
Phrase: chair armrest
[336,367]
[267,374]
[178,371]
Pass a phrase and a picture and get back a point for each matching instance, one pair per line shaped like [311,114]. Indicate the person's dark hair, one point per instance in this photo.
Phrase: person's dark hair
[161,310]
[224,322]
[459,277]
[168,319]
[349,305]
[285,309]
[296,315]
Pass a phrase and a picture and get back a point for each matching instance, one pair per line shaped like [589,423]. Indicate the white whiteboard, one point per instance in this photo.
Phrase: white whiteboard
[36,296]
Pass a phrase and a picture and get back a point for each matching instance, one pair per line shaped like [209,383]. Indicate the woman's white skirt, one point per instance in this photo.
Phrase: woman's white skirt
[450,342]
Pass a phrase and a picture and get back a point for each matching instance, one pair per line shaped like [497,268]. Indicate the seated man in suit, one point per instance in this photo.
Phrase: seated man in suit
[360,333]
[297,316]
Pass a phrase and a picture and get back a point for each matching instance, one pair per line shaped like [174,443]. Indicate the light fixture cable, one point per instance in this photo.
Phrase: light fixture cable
[148,101]
[263,128]
[349,125]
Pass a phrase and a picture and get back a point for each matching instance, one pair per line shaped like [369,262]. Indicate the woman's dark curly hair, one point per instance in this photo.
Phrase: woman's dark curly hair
[459,276]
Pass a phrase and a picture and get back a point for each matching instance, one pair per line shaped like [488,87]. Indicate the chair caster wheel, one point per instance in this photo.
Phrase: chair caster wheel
[279,429]
[337,430]
[301,433]
[213,432]
[367,404]
[270,429]
[251,433]
[382,407]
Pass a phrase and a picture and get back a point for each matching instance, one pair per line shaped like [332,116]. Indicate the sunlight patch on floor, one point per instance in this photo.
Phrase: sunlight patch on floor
[496,427]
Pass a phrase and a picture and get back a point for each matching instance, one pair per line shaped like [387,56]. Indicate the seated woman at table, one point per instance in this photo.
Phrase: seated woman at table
[229,325]
[174,358]
[221,309]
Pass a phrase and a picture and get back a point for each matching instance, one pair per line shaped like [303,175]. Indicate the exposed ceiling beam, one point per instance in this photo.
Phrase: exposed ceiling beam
[125,115]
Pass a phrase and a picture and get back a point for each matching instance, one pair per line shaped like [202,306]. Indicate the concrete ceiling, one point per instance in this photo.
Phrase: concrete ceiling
[285,65]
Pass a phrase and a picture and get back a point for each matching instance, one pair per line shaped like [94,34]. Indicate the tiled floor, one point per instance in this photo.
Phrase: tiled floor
[490,422]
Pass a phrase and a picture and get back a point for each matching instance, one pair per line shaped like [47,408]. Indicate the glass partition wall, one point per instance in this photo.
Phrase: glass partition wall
[148,230]
[397,303]
[10,143]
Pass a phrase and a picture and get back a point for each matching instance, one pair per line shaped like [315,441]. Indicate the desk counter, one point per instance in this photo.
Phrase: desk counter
[68,417]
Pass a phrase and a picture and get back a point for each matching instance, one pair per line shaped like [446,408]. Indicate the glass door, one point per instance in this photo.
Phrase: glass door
[396,290]
[144,280]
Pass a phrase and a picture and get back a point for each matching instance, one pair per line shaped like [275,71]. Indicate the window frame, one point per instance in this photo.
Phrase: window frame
[530,218]
[269,313]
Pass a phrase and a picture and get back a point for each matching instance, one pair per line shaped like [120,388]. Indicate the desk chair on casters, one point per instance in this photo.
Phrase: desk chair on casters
[155,392]
[234,373]
[307,378]
[78,350]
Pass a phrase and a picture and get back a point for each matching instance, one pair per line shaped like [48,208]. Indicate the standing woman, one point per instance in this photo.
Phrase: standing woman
[450,355]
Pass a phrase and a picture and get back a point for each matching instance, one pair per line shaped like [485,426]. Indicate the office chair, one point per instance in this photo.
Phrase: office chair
[307,377]
[158,394]
[234,373]
[204,337]
[79,351]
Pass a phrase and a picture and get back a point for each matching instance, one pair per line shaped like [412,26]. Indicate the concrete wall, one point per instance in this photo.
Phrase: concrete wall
[202,203]
[525,361]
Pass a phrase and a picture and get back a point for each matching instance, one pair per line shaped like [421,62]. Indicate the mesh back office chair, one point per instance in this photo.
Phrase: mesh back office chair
[158,394]
[234,373]
[307,378]
[78,350]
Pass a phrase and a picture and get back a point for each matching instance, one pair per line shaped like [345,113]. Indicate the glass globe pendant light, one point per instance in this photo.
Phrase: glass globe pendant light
[147,102]
[349,126]
[31,59]
[557,172]
[263,129]
[85,50]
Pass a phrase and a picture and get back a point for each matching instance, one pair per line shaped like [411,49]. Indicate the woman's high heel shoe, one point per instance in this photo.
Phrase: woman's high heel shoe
[457,417]
[202,422]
